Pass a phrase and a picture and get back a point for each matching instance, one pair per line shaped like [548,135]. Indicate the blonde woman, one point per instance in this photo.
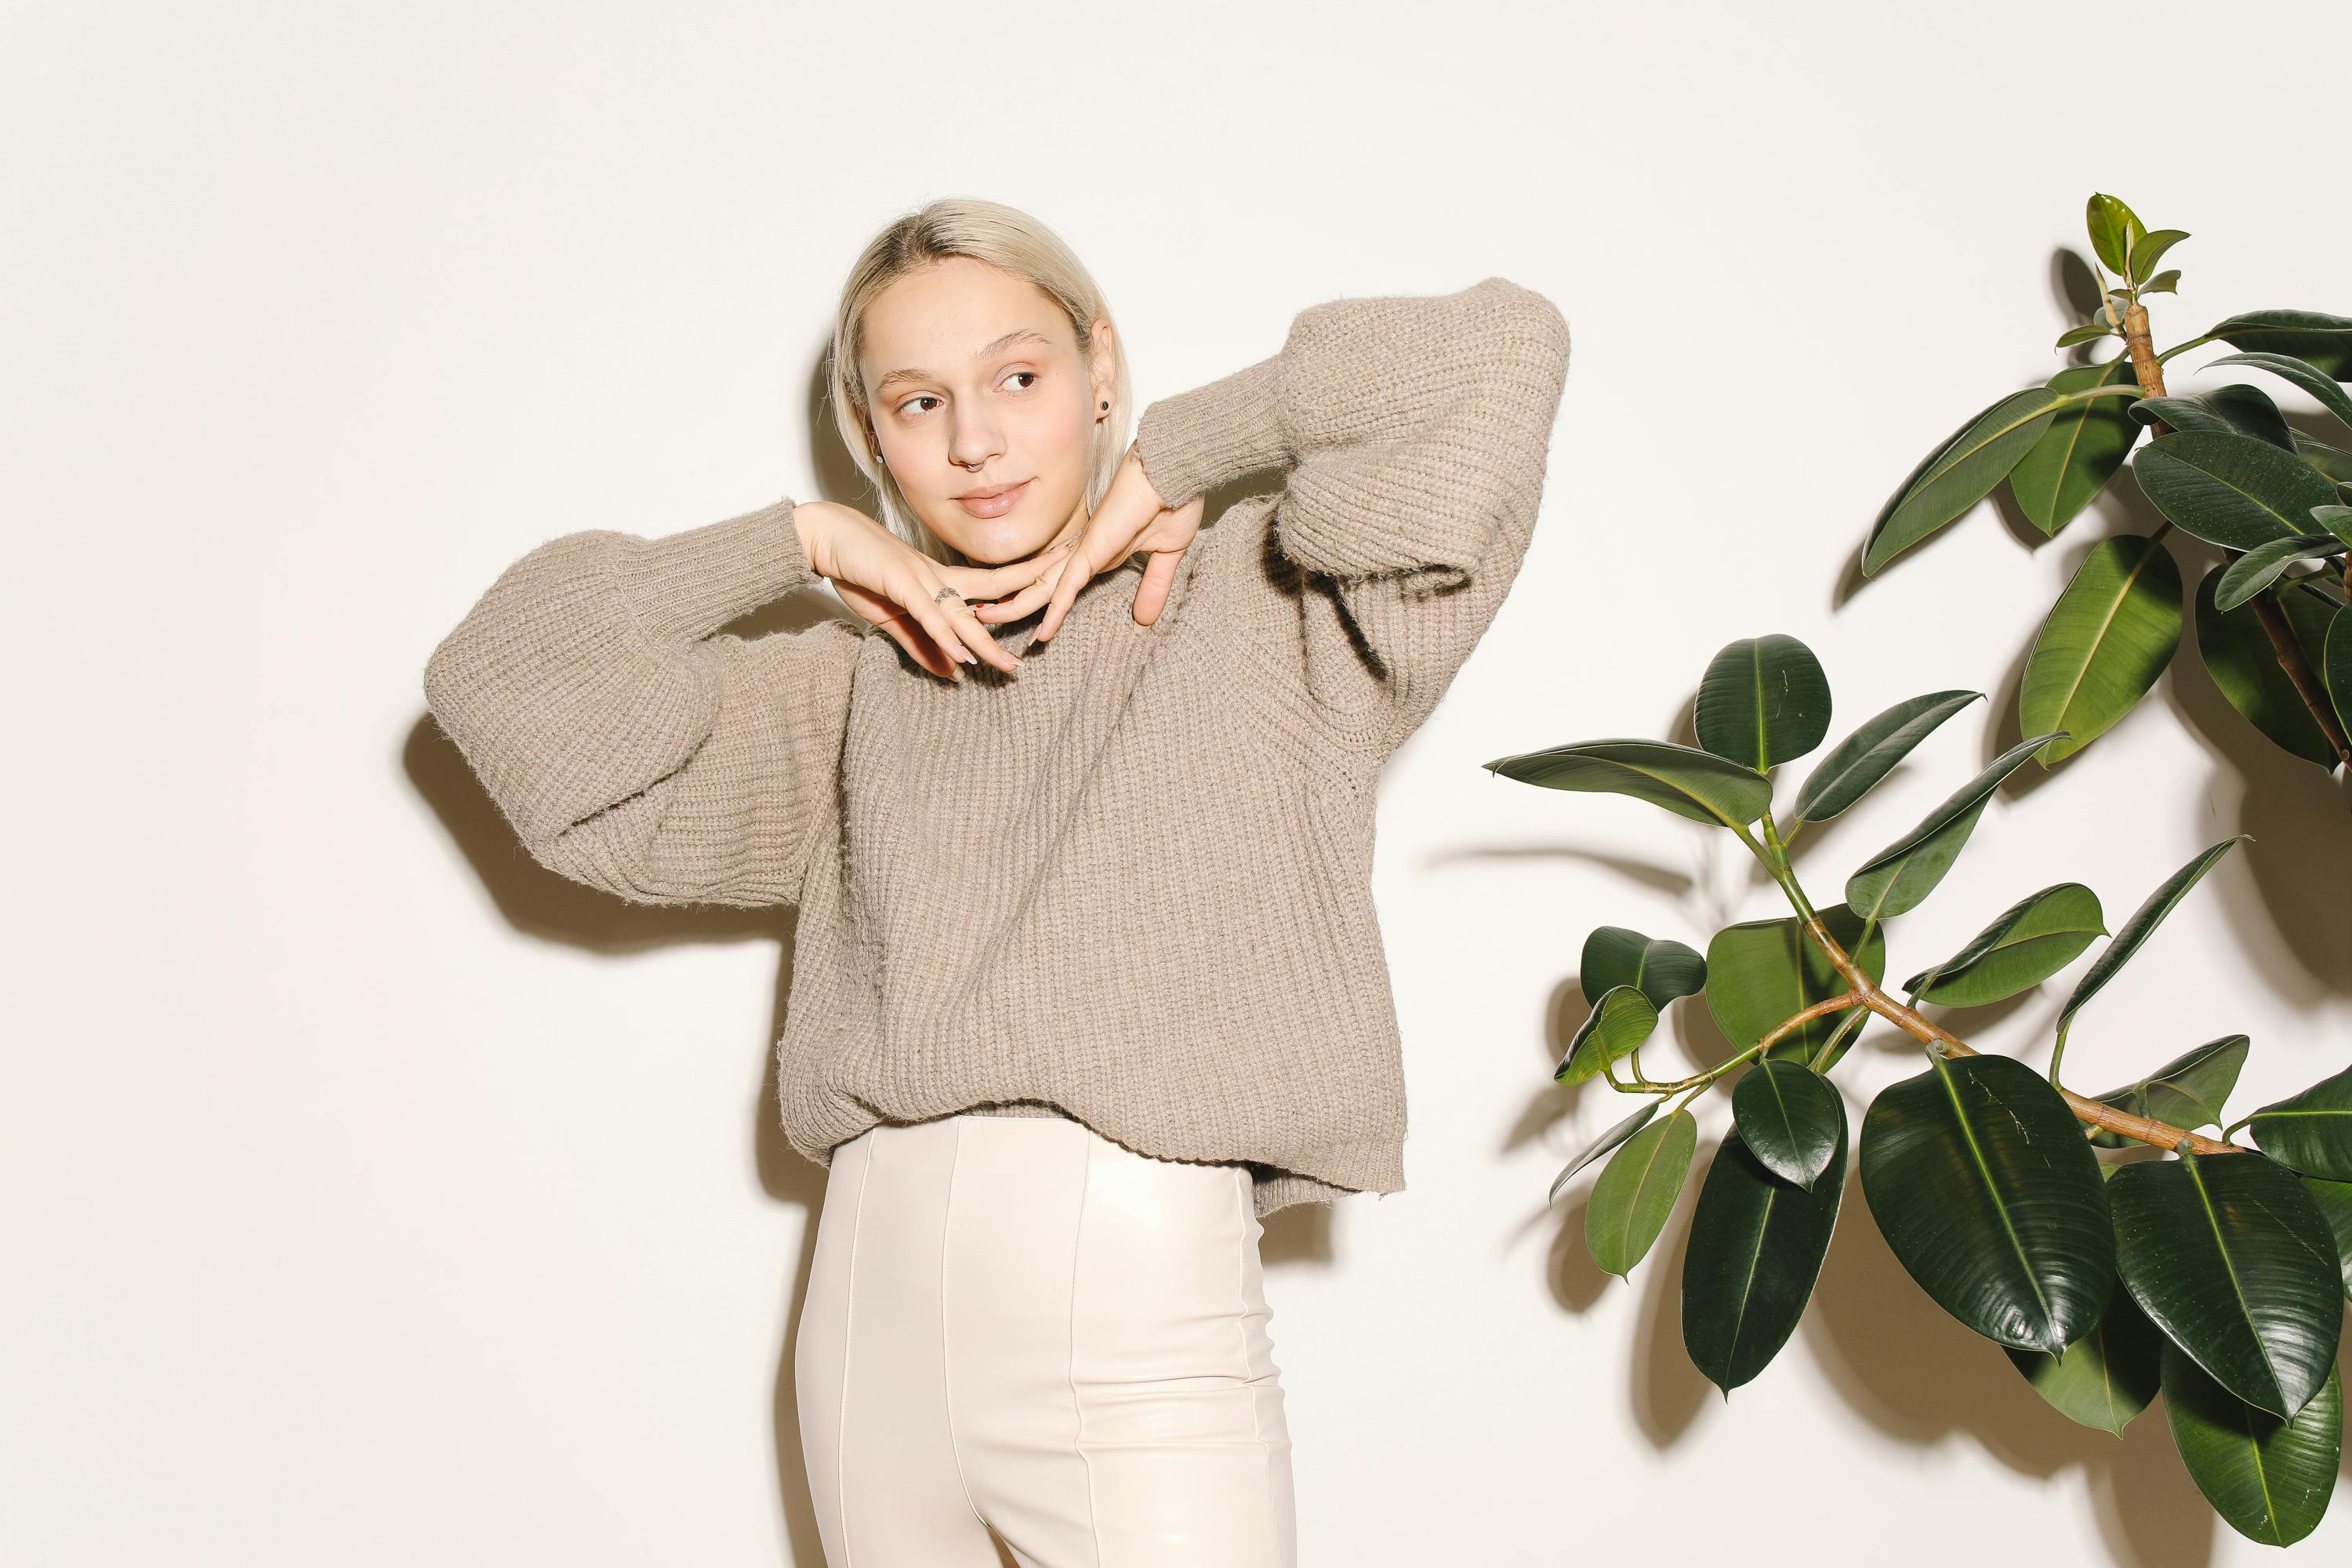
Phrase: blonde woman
[1078,820]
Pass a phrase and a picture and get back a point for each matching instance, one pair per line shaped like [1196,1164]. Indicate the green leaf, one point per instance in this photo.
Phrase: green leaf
[2239,408]
[2269,1478]
[2319,339]
[1601,1145]
[1762,701]
[2164,282]
[1760,973]
[2089,332]
[2115,229]
[2311,1132]
[1620,1019]
[2302,373]
[2149,248]
[1961,473]
[2026,943]
[2104,642]
[1637,1190]
[2080,452]
[2231,491]
[2188,1091]
[2336,520]
[2335,666]
[2333,461]
[2142,924]
[1755,1247]
[2334,1201]
[2230,1255]
[1664,970]
[2258,568]
[2104,1378]
[1857,762]
[1899,877]
[1980,1179]
[1683,779]
[1791,1119]
[2238,654]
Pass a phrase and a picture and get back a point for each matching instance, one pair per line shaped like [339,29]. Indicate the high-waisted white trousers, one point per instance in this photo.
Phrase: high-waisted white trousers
[1015,1325]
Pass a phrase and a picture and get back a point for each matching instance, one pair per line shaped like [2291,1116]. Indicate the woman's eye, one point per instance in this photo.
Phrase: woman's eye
[1030,374]
[919,398]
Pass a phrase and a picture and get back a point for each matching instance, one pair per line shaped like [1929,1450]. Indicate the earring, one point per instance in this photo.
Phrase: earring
[1106,404]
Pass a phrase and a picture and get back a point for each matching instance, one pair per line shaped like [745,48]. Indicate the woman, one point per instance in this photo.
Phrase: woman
[1088,979]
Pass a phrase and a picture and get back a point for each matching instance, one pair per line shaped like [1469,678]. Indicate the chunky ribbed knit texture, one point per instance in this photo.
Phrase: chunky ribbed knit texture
[1128,884]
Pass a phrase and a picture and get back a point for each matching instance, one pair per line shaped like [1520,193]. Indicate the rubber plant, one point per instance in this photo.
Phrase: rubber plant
[2216,1272]
[2222,466]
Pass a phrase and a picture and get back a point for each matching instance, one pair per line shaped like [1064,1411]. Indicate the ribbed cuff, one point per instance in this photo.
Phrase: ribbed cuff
[1197,440]
[692,583]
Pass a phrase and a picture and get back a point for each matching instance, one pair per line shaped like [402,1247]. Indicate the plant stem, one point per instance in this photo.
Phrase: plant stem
[2267,609]
[2144,1128]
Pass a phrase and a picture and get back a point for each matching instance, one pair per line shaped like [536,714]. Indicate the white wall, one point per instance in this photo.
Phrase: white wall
[373,1198]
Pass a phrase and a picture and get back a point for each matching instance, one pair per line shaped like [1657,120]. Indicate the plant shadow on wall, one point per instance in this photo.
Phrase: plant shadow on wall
[2207,1273]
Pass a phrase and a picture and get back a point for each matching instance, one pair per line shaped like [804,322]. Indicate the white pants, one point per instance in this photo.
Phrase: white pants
[1017,1327]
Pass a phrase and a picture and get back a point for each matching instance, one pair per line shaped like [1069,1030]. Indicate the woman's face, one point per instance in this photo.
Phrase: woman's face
[974,383]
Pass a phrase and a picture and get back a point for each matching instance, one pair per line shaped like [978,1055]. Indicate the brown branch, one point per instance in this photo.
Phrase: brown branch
[2146,1129]
[2149,372]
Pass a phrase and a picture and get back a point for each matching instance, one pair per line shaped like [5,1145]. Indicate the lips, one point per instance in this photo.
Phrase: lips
[993,501]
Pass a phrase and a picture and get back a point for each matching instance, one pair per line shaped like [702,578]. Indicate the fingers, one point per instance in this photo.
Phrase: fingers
[947,616]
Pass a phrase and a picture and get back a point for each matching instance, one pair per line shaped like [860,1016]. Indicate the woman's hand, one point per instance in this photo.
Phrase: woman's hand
[924,605]
[1131,517]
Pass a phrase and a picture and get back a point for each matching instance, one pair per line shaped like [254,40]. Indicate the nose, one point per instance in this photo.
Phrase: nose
[973,442]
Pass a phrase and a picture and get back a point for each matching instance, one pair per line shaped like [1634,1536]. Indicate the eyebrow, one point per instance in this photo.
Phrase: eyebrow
[1018,334]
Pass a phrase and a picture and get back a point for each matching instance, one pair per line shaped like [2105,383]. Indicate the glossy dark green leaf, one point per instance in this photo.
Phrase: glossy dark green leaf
[1762,701]
[1620,1019]
[1960,472]
[1683,779]
[1760,973]
[2230,1255]
[1791,1118]
[2311,1132]
[2149,248]
[2114,230]
[2024,945]
[2336,520]
[2080,452]
[2302,373]
[1637,1190]
[2334,1201]
[1857,762]
[2269,1480]
[2239,408]
[1978,1174]
[2258,568]
[2313,336]
[1757,1243]
[2103,644]
[1899,877]
[2104,1378]
[1610,1140]
[2090,331]
[1665,970]
[2188,1091]
[2238,654]
[2135,931]
[2333,461]
[2231,489]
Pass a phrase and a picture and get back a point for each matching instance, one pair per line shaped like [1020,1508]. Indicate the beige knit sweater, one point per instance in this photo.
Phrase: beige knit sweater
[1128,884]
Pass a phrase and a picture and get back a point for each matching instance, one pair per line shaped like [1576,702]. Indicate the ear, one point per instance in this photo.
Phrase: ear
[1102,364]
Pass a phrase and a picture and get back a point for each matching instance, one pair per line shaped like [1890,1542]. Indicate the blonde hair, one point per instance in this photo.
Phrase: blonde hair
[1011,241]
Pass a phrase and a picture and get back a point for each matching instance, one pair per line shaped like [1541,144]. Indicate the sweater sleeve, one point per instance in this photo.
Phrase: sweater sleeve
[1414,430]
[630,748]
